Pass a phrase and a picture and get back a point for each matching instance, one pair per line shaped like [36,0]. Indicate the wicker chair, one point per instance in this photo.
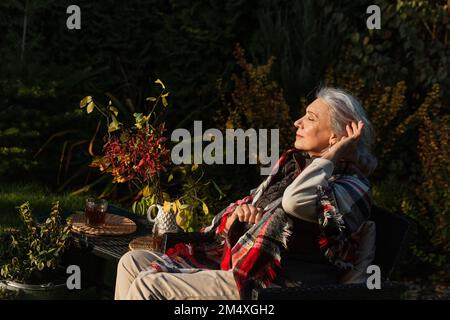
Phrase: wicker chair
[392,233]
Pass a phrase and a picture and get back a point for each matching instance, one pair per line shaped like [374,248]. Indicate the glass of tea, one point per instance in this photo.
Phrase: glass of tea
[156,242]
[95,212]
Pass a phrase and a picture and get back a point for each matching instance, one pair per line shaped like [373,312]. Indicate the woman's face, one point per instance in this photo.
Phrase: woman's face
[314,133]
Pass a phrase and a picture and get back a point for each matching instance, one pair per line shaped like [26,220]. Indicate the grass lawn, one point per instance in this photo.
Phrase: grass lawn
[40,198]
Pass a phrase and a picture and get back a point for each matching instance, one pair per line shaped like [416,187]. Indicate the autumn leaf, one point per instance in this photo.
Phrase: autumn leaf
[85,101]
[175,207]
[205,208]
[114,125]
[160,82]
[114,110]
[178,205]
[90,107]
[164,101]
[146,191]
[167,206]
[181,221]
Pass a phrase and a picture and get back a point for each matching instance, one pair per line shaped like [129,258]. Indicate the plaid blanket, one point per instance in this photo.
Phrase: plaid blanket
[253,252]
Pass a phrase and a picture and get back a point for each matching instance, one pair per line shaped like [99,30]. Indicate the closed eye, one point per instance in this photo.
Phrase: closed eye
[311,115]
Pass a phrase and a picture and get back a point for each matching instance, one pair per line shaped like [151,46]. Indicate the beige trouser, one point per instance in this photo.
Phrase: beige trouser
[135,282]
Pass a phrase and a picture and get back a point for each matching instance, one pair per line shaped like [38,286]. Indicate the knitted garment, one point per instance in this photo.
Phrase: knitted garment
[253,252]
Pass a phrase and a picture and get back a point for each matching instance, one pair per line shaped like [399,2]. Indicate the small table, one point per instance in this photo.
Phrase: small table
[97,256]
[113,247]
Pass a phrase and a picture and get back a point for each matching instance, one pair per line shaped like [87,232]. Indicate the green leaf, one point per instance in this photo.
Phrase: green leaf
[85,101]
[160,82]
[170,178]
[151,99]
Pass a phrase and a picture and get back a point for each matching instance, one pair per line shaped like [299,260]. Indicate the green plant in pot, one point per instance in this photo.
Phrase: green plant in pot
[30,255]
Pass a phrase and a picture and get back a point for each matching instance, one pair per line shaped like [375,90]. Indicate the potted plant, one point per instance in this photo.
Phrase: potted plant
[137,153]
[30,256]
[134,153]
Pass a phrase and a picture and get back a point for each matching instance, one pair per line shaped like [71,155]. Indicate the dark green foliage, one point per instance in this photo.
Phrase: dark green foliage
[401,74]
[304,37]
[121,48]
[412,45]
[28,118]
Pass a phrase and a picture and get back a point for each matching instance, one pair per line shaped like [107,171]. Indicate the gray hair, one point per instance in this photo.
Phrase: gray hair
[344,108]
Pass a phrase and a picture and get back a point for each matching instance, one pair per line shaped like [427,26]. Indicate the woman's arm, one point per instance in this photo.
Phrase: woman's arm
[352,194]
[300,197]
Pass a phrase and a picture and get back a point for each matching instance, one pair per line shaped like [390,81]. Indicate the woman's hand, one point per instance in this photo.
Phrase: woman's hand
[248,213]
[345,148]
[245,213]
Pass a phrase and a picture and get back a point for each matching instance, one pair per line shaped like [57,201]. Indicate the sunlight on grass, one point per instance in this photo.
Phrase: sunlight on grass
[40,198]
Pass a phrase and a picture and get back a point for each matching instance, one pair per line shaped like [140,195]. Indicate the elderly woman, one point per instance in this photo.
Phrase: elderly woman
[301,225]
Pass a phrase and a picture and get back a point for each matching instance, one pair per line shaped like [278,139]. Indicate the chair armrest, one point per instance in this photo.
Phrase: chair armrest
[389,290]
[170,239]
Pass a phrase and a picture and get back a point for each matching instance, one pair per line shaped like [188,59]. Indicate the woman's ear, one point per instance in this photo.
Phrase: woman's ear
[333,139]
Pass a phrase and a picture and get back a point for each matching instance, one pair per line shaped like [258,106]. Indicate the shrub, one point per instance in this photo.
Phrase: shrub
[256,101]
[412,148]
[32,253]
[25,119]
[433,192]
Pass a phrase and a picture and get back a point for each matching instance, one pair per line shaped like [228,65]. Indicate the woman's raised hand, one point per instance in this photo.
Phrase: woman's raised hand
[345,148]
